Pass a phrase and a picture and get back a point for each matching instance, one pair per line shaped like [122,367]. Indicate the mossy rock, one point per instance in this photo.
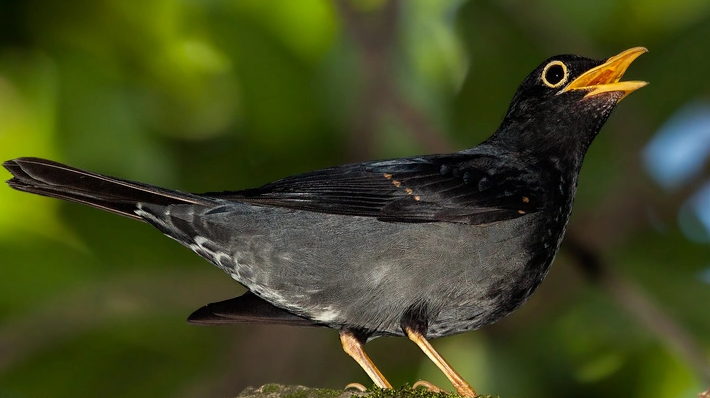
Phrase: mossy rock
[281,391]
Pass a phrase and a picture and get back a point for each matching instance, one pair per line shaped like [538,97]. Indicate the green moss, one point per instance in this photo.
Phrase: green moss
[280,391]
[314,393]
[299,394]
[269,388]
[326,393]
[409,392]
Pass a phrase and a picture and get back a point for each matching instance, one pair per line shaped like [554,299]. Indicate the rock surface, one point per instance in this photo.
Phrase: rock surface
[281,391]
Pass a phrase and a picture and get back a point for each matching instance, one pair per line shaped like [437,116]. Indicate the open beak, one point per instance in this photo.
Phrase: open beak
[605,77]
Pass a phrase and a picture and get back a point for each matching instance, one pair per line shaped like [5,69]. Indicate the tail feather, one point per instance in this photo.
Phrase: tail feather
[55,180]
[247,308]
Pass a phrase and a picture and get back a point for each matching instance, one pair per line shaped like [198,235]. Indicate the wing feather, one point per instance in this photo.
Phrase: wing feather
[461,188]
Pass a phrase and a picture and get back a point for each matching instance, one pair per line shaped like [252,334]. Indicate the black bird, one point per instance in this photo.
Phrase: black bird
[423,247]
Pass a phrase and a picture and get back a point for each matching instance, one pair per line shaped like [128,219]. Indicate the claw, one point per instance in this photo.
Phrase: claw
[356,386]
[428,386]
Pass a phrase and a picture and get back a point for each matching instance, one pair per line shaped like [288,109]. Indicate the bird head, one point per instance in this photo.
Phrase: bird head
[561,106]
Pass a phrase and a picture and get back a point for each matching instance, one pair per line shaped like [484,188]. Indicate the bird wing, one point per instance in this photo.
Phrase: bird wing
[461,188]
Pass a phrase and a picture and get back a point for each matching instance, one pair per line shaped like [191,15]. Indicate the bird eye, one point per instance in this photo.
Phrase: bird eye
[555,74]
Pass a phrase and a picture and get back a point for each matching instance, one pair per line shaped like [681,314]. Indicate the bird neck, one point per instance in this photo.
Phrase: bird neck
[561,144]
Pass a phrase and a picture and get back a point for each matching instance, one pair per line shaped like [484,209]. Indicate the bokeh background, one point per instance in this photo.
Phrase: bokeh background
[229,94]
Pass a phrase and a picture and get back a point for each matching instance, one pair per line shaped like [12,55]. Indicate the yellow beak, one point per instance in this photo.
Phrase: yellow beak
[605,77]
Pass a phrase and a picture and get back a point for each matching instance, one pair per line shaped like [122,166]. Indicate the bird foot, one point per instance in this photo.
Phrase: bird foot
[428,386]
[464,391]
[356,386]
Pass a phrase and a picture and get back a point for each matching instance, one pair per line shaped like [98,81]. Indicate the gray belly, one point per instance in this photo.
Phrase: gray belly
[365,273]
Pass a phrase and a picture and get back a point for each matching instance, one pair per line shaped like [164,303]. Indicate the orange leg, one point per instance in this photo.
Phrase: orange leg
[353,347]
[459,383]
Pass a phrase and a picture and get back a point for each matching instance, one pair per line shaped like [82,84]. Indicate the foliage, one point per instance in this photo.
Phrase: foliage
[230,94]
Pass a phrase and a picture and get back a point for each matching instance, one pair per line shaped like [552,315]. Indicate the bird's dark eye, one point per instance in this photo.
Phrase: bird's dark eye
[555,74]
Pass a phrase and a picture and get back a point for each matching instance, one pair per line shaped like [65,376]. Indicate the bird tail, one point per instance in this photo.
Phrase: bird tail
[55,180]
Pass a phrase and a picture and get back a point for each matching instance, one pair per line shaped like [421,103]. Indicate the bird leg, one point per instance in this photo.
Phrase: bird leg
[462,387]
[353,347]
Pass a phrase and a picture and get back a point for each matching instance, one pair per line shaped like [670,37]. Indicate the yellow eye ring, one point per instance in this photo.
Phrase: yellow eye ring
[555,74]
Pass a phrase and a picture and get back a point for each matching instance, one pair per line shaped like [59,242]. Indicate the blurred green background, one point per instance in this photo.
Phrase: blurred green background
[229,94]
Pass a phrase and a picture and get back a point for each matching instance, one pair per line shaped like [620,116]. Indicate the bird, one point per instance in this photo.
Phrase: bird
[419,247]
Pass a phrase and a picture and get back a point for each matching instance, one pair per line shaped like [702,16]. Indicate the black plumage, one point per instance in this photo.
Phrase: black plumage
[426,246]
